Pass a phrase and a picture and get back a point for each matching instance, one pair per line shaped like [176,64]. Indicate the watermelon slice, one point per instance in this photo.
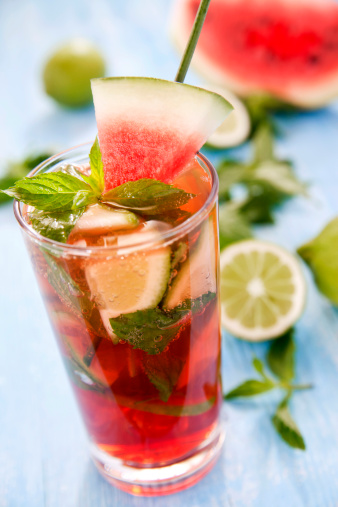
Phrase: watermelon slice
[150,128]
[285,48]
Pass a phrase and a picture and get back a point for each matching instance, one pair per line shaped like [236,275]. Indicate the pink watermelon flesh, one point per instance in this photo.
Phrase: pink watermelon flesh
[150,128]
[131,151]
[278,47]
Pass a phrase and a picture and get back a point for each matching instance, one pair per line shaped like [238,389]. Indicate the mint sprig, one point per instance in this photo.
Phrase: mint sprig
[286,426]
[152,330]
[280,358]
[55,191]
[265,182]
[61,197]
[147,196]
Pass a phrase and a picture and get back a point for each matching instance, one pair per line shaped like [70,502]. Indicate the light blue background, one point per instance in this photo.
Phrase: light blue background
[43,455]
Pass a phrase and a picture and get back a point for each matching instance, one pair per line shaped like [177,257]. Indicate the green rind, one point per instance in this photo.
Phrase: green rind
[150,81]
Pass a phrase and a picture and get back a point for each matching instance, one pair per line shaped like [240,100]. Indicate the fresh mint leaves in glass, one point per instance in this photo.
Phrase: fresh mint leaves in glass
[147,381]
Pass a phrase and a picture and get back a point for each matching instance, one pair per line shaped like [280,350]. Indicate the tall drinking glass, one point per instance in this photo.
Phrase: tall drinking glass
[151,399]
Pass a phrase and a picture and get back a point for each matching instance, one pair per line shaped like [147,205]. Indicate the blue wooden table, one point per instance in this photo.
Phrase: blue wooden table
[43,455]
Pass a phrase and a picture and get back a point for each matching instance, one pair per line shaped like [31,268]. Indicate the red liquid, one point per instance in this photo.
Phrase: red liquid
[121,407]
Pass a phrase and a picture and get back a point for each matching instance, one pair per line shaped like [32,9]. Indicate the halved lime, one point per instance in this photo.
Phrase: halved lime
[262,290]
[235,128]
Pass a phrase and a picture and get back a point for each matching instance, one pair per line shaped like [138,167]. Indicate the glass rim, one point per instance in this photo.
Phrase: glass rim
[165,237]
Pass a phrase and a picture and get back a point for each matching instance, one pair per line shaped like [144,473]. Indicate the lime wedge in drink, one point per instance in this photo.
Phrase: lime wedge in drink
[262,290]
[134,279]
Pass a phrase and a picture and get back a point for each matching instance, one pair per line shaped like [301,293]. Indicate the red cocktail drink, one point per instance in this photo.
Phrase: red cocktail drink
[147,380]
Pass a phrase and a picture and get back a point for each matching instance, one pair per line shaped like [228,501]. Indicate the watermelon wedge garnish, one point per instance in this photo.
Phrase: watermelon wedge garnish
[284,48]
[151,128]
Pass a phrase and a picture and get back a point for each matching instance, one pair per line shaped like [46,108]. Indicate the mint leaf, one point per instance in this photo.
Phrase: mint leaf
[160,409]
[233,225]
[259,366]
[163,372]
[18,170]
[65,287]
[172,217]
[152,330]
[261,201]
[56,226]
[281,358]
[263,143]
[287,428]
[148,330]
[81,376]
[320,255]
[279,176]
[96,178]
[250,388]
[230,173]
[147,196]
[55,191]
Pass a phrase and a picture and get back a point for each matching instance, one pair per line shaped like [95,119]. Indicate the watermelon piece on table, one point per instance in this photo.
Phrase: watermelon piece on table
[151,128]
[284,48]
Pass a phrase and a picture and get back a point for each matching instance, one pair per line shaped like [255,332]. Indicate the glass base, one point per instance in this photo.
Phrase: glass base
[162,480]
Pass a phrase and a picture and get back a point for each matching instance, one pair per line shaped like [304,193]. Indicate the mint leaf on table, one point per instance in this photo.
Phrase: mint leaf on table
[250,388]
[259,366]
[286,426]
[320,254]
[265,182]
[259,205]
[147,196]
[96,178]
[233,226]
[263,143]
[56,226]
[163,372]
[230,173]
[152,330]
[55,191]
[279,176]
[281,358]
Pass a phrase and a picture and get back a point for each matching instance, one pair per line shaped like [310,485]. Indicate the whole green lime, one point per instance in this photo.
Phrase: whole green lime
[68,72]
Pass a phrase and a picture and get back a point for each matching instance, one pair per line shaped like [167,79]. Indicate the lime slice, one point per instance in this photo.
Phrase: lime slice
[262,290]
[197,274]
[133,279]
[99,219]
[235,128]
